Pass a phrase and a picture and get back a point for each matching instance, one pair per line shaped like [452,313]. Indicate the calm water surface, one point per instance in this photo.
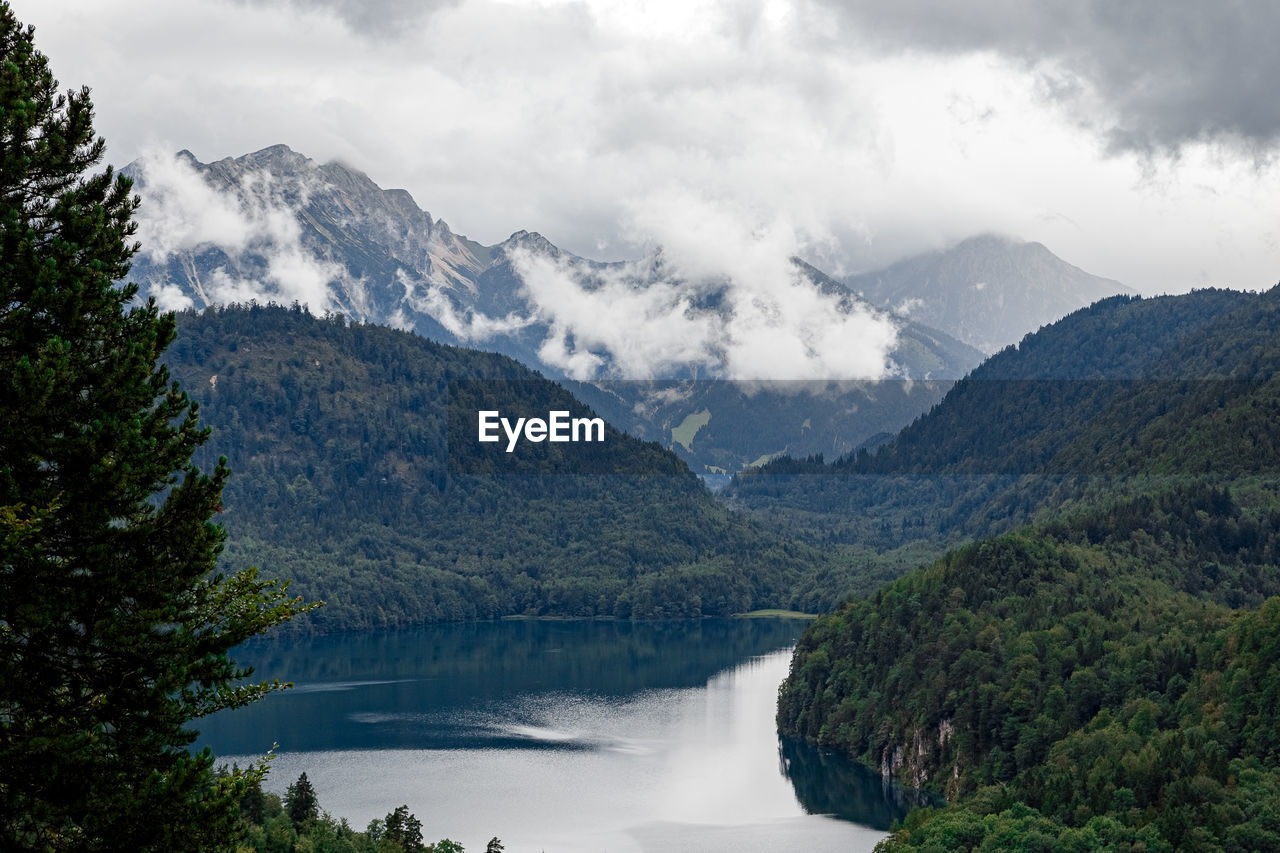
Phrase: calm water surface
[560,736]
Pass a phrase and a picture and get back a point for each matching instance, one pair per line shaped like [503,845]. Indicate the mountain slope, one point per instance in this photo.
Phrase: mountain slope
[988,291]
[356,471]
[277,226]
[1106,678]
[1025,425]
[1099,683]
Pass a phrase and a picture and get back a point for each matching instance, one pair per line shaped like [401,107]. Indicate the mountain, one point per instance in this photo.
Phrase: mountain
[1104,682]
[1029,423]
[1104,678]
[357,471]
[987,291]
[276,226]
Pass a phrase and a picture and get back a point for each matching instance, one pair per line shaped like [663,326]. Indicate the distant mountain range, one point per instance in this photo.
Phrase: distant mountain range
[647,345]
[987,291]
[328,236]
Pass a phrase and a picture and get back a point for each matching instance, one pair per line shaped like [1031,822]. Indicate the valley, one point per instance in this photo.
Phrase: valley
[1055,493]
[1120,454]
[784,491]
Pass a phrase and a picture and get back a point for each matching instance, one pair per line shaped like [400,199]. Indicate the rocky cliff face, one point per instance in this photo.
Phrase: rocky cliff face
[922,755]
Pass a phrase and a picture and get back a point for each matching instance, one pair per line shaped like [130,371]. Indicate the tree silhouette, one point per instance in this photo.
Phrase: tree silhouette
[114,626]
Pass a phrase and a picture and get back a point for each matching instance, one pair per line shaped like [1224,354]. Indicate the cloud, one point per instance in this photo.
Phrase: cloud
[253,223]
[470,326]
[645,327]
[378,18]
[875,130]
[169,297]
[717,299]
[1152,75]
[182,211]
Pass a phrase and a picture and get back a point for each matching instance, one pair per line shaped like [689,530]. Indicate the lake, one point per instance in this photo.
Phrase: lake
[559,736]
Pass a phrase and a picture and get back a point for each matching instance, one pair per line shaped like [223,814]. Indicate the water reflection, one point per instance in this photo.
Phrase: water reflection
[560,736]
[430,687]
[827,783]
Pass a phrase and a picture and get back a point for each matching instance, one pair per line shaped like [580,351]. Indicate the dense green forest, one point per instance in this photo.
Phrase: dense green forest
[356,472]
[1108,677]
[1022,431]
[1095,683]
[719,427]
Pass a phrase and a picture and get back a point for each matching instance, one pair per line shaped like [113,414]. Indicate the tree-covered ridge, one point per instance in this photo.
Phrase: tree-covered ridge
[1095,395]
[1073,368]
[1100,679]
[350,478]
[1105,679]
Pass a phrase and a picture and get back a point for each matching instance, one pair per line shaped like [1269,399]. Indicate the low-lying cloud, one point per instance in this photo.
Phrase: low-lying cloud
[717,294]
[253,224]
[469,326]
[714,302]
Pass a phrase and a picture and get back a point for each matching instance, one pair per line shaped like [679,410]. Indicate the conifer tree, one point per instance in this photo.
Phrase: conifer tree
[114,624]
[404,829]
[301,802]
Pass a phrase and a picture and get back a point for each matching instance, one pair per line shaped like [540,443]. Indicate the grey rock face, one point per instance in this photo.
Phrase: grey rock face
[277,226]
[988,291]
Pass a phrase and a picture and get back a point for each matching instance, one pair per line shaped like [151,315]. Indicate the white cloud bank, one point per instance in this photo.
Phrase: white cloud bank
[721,297]
[875,131]
[253,223]
[729,303]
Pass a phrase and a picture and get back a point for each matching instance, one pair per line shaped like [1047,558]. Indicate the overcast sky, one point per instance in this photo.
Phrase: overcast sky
[1137,140]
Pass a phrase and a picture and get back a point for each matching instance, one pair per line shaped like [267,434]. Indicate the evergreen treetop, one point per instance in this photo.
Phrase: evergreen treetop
[114,626]
[301,802]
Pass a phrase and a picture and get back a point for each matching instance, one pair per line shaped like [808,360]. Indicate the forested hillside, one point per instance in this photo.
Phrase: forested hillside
[349,477]
[1022,430]
[1089,684]
[1109,677]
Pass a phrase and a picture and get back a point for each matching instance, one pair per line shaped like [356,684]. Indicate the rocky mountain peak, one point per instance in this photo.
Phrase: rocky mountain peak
[328,236]
[276,158]
[530,241]
[988,290]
